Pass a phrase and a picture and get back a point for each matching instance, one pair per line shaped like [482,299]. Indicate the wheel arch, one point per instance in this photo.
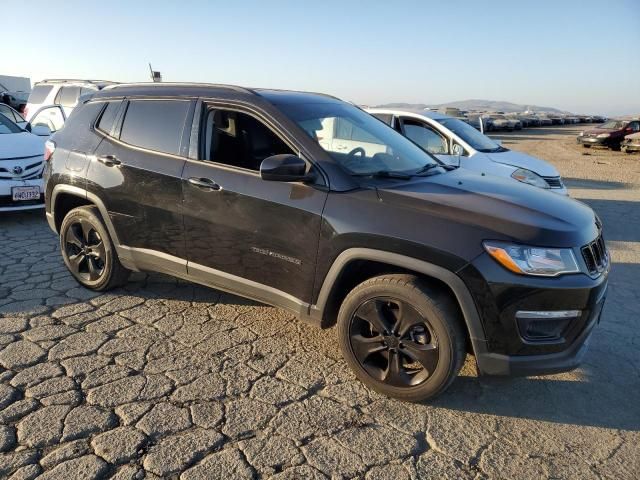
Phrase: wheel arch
[369,262]
[64,198]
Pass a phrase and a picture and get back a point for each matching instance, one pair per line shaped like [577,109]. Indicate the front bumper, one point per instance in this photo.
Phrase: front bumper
[630,147]
[6,202]
[500,294]
[592,140]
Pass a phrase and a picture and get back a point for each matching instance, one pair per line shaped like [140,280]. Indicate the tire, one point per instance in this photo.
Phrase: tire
[88,252]
[615,148]
[430,327]
[586,146]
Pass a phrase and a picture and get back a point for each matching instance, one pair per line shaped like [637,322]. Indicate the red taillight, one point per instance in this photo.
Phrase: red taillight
[49,148]
[25,112]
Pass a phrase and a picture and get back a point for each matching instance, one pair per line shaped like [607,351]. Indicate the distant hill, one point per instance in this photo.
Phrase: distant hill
[475,104]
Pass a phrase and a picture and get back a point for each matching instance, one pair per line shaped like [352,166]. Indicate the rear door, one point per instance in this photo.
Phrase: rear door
[137,170]
[239,228]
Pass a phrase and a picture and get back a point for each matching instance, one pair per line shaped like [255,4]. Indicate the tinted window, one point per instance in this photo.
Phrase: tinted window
[108,117]
[39,93]
[155,124]
[68,96]
[237,139]
[425,137]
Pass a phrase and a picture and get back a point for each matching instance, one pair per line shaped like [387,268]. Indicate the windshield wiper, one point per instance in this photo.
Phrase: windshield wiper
[384,174]
[424,169]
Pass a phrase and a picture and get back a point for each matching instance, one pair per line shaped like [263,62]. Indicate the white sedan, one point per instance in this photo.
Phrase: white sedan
[21,165]
[455,142]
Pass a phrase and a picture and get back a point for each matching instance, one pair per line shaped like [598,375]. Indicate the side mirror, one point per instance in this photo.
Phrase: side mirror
[457,150]
[284,168]
[41,130]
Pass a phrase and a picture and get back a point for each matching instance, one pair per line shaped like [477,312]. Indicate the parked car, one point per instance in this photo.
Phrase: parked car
[16,100]
[245,191]
[502,122]
[609,134]
[457,143]
[61,92]
[21,165]
[545,121]
[631,143]
[12,114]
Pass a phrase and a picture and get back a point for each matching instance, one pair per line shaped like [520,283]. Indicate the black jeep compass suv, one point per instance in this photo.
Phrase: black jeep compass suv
[308,203]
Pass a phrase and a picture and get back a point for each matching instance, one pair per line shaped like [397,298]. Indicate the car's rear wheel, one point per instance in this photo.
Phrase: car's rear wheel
[586,146]
[402,338]
[88,252]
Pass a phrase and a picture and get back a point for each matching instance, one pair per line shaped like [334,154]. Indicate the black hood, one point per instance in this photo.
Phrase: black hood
[504,208]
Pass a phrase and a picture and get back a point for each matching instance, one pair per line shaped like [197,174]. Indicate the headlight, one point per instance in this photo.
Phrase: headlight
[527,176]
[603,135]
[546,262]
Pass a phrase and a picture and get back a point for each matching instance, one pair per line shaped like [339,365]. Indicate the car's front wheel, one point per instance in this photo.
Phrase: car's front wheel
[402,338]
[88,252]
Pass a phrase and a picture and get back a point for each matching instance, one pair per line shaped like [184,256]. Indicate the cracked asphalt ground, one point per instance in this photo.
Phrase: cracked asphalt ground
[165,378]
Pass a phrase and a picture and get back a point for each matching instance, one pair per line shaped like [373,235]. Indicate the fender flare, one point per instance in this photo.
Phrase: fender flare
[455,283]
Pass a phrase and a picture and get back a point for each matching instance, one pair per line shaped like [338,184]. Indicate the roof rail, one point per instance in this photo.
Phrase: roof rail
[63,80]
[182,84]
[300,91]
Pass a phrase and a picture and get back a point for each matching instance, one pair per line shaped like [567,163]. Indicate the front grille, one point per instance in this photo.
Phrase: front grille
[554,182]
[595,256]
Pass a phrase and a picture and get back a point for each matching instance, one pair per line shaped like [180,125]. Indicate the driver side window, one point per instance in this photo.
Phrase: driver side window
[425,137]
[239,140]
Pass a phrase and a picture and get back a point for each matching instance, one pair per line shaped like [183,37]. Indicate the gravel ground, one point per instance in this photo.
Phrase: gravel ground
[165,378]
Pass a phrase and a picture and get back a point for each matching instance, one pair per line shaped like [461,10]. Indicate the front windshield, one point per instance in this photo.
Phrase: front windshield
[473,137]
[7,126]
[613,125]
[359,142]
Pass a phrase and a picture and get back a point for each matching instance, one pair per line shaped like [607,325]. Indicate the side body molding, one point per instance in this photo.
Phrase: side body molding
[460,290]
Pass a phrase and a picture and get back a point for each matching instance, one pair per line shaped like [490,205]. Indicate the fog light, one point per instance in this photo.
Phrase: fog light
[544,326]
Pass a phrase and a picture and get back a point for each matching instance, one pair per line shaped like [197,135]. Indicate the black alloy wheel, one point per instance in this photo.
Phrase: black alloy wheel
[85,250]
[88,251]
[393,342]
[401,336]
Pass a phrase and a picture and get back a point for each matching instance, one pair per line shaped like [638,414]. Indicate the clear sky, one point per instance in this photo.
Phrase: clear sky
[582,56]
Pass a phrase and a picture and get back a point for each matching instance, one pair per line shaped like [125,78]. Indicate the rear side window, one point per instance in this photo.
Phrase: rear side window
[155,124]
[108,117]
[68,96]
[385,117]
[39,93]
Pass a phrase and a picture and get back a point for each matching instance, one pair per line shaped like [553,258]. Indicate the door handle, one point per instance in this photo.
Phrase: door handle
[206,183]
[108,160]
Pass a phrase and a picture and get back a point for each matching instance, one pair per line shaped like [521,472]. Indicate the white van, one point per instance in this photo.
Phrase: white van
[455,142]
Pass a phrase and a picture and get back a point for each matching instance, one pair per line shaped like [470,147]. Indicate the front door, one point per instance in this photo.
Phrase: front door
[243,232]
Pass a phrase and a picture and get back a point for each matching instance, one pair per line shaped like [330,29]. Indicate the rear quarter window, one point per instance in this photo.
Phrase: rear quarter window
[155,124]
[39,93]
[108,117]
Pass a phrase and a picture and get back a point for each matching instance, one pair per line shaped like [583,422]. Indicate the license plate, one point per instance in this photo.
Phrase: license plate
[21,194]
